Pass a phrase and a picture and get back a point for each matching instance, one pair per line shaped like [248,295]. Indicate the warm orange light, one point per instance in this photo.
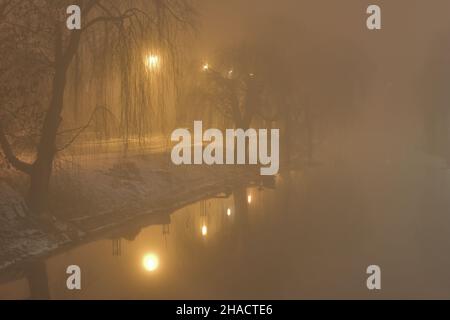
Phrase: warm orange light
[205,67]
[249,199]
[152,62]
[229,212]
[150,262]
[204,231]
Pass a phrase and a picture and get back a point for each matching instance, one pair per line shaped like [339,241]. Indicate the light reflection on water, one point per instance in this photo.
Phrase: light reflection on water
[154,262]
[312,236]
[150,262]
[204,230]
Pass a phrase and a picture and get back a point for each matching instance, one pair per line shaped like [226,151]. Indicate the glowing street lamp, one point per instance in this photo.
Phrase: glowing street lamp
[205,67]
[229,212]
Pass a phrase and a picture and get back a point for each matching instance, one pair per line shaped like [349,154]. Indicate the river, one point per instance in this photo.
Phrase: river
[304,234]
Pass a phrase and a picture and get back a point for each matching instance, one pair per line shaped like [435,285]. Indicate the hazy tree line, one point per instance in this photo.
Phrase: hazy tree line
[270,80]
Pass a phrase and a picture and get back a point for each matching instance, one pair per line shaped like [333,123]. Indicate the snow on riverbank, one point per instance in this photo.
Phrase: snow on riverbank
[89,199]
[20,236]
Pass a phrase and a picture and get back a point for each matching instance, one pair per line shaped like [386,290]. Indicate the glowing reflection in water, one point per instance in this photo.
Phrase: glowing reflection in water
[161,261]
[204,230]
[152,62]
[150,262]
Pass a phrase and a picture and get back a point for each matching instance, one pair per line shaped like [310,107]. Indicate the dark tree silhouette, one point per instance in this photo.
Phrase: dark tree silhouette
[38,52]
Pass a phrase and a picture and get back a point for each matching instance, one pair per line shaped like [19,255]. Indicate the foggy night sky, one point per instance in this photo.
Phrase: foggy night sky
[411,38]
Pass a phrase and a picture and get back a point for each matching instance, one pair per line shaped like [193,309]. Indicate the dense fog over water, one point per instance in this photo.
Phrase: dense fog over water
[87,172]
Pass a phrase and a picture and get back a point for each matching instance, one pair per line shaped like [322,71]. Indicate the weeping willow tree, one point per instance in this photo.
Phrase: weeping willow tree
[116,72]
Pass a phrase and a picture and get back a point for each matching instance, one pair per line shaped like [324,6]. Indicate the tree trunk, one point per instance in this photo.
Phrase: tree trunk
[39,186]
[36,274]
[42,167]
[46,151]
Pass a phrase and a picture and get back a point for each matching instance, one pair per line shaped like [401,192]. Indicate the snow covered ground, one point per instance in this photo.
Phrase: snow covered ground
[92,195]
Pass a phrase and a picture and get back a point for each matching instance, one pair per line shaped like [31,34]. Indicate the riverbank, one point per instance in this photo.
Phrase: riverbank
[89,199]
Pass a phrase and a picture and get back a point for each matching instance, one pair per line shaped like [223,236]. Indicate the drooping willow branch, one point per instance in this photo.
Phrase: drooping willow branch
[80,130]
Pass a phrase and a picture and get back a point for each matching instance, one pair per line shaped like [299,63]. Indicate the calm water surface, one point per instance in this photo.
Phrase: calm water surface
[303,235]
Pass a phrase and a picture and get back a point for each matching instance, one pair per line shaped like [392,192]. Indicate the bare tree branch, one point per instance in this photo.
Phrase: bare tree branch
[10,156]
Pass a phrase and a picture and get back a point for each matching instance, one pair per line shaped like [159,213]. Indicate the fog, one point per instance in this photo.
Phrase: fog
[394,61]
[360,177]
